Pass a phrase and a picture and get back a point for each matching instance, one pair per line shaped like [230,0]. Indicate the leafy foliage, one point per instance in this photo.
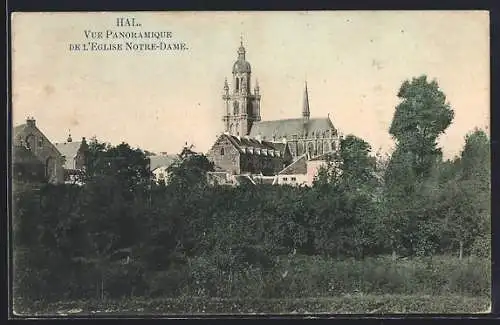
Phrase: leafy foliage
[122,235]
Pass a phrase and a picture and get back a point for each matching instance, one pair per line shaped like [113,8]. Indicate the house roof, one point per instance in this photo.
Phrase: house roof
[286,128]
[299,166]
[162,161]
[243,143]
[69,151]
[18,129]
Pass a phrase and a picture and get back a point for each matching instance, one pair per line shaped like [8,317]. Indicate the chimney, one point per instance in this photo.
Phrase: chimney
[30,121]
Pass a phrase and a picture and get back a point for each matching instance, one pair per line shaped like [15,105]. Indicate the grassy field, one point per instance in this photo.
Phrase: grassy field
[348,304]
[311,284]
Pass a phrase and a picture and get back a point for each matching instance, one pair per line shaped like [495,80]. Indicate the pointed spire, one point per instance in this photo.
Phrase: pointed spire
[305,108]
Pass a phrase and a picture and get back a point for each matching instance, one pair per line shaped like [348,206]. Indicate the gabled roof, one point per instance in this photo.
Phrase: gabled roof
[162,161]
[69,150]
[18,129]
[299,166]
[286,128]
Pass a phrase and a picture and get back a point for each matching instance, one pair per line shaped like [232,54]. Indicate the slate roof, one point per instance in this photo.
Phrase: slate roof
[299,166]
[243,144]
[18,129]
[289,127]
[162,161]
[69,151]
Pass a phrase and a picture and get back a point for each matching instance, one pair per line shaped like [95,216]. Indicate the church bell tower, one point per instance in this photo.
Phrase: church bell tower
[242,107]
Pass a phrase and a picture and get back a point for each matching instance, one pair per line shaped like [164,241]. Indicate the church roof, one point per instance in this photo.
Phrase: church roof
[279,129]
[241,66]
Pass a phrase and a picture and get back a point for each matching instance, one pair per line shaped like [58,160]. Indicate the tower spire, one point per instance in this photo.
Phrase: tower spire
[241,49]
[305,108]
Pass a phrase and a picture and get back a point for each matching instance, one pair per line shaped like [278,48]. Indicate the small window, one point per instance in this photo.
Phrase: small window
[222,151]
[161,176]
[285,179]
[40,142]
[294,179]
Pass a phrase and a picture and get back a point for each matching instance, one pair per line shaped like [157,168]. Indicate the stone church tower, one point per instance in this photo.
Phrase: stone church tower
[242,108]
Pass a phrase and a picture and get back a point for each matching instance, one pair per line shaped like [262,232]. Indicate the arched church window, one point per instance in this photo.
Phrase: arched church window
[325,147]
[222,151]
[333,146]
[310,148]
[237,84]
[300,148]
[40,142]
[320,148]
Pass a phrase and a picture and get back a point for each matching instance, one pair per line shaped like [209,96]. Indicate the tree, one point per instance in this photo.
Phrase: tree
[189,172]
[421,117]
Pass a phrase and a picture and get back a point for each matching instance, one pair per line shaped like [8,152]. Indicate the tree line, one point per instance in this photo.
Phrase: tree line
[112,236]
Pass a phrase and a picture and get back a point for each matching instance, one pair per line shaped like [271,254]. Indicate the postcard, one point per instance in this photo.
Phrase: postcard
[250,163]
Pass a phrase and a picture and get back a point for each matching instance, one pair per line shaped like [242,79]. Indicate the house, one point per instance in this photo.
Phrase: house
[245,155]
[75,156]
[159,165]
[29,137]
[302,171]
[26,166]
[294,174]
[315,164]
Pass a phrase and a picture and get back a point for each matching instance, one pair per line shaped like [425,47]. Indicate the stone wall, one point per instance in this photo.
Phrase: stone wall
[225,155]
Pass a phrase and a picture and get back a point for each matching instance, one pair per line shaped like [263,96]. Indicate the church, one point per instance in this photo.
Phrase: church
[252,146]
[308,135]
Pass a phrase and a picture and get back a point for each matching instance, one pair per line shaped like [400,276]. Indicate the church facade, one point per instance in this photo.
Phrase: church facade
[242,117]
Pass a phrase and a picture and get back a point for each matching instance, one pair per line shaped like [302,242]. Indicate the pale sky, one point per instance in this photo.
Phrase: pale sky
[354,63]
